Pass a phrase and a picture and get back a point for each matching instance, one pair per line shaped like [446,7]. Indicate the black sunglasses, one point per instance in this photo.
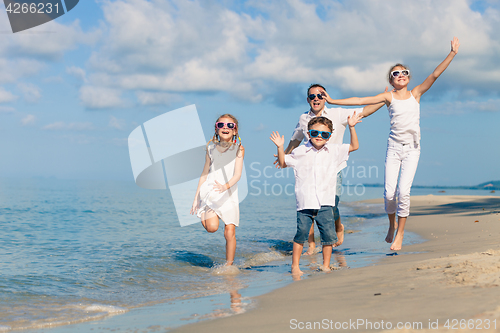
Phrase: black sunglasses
[313,96]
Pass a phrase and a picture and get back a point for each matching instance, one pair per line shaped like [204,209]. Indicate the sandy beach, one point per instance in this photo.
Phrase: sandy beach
[451,282]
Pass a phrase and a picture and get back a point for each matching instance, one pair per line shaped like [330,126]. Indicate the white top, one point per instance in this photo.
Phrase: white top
[316,173]
[225,204]
[338,116]
[405,120]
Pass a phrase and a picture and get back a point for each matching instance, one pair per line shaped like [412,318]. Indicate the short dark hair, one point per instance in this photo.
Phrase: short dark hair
[315,85]
[320,120]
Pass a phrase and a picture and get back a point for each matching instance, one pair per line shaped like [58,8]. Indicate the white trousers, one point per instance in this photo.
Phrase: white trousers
[404,158]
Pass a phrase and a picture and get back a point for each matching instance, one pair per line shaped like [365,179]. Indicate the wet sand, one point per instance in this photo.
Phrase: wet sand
[453,278]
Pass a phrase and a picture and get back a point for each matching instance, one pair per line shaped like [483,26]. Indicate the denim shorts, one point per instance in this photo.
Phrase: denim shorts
[324,220]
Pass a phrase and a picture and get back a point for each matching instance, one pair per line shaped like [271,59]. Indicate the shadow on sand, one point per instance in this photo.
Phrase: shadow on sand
[480,206]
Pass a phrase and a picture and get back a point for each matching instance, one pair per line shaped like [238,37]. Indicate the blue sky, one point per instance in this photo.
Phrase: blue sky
[72,90]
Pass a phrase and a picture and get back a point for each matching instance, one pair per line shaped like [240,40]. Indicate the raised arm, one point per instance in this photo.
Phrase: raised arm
[291,146]
[383,98]
[279,141]
[429,81]
[371,109]
[352,121]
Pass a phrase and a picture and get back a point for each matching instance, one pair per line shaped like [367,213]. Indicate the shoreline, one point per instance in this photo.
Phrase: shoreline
[371,292]
[455,274]
[363,249]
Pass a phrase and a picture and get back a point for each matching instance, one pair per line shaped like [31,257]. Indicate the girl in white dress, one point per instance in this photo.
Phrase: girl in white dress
[403,146]
[217,194]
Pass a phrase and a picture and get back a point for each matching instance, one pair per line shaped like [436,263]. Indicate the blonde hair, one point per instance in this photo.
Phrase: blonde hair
[215,139]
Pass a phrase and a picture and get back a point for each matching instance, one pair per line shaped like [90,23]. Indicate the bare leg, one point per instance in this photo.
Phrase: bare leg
[297,252]
[230,235]
[312,243]
[327,255]
[210,221]
[393,225]
[339,228]
[398,241]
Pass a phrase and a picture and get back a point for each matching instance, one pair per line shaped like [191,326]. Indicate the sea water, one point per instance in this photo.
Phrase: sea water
[76,251]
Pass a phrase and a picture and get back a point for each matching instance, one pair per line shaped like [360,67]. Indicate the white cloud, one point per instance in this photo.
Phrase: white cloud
[363,80]
[13,69]
[117,123]
[7,109]
[6,96]
[157,98]
[173,46]
[77,72]
[26,53]
[30,91]
[100,97]
[63,126]
[28,120]
[46,42]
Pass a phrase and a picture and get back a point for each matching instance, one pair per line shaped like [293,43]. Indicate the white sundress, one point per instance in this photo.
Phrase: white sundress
[225,204]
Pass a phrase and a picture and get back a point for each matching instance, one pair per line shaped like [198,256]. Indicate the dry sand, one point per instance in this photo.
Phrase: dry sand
[454,275]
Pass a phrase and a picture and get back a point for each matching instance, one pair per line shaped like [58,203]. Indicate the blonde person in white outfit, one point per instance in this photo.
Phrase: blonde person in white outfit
[403,147]
[339,116]
[217,194]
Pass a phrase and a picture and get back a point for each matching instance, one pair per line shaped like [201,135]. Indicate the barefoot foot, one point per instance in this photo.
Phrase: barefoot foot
[390,233]
[398,242]
[311,249]
[296,271]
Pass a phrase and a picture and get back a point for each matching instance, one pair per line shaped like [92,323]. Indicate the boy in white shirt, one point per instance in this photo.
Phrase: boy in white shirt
[316,97]
[315,166]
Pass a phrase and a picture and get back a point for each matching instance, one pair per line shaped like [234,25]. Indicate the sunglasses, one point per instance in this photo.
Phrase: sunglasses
[324,135]
[313,96]
[404,72]
[221,125]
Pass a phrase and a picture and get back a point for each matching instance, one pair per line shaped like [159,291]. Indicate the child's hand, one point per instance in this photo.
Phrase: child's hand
[219,187]
[455,44]
[356,118]
[276,162]
[195,207]
[278,141]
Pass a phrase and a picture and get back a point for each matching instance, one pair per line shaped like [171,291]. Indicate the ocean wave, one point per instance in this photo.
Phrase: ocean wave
[111,309]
